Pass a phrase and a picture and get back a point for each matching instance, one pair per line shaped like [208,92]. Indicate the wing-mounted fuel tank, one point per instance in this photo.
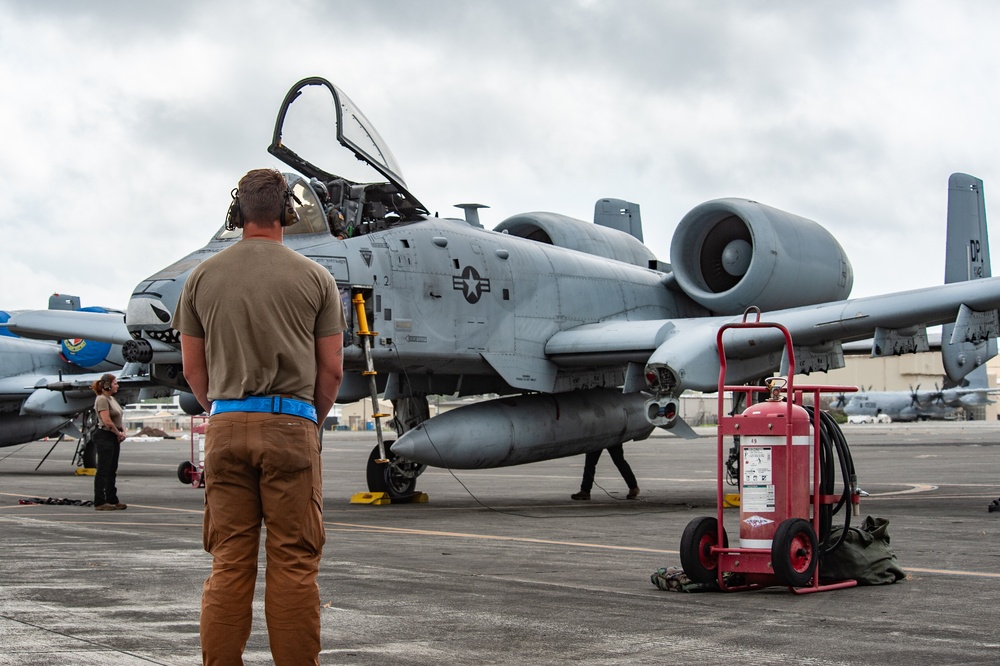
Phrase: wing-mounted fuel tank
[729,254]
[573,234]
[523,429]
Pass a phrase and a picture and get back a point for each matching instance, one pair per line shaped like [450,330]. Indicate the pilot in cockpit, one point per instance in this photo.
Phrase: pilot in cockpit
[335,218]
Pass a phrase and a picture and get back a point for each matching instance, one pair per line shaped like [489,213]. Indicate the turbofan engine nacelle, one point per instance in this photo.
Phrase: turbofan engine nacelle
[729,254]
[573,234]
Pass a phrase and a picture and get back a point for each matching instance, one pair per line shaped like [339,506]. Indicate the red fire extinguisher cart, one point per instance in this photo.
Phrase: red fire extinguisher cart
[779,456]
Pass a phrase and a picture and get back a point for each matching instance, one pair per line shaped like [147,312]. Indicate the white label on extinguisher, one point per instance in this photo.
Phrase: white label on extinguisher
[758,479]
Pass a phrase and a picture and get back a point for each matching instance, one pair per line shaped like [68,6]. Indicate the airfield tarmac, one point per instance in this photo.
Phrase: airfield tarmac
[501,567]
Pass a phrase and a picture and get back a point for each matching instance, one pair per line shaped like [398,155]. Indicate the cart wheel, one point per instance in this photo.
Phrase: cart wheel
[698,562]
[794,553]
[185,472]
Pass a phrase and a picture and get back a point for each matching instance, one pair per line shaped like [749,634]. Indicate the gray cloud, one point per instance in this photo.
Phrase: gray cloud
[128,123]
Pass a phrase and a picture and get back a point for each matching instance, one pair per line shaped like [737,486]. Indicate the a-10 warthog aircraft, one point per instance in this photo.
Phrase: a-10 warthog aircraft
[588,337]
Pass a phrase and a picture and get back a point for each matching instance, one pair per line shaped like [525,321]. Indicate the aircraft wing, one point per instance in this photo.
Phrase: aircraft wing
[61,395]
[959,397]
[63,324]
[42,395]
[683,353]
[977,397]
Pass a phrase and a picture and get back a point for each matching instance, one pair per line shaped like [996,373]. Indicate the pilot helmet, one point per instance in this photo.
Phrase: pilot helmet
[319,187]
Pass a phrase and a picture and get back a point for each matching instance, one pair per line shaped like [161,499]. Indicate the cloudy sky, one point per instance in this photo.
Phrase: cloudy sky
[126,123]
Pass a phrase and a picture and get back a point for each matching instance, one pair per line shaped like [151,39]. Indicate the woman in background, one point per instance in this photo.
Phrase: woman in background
[108,442]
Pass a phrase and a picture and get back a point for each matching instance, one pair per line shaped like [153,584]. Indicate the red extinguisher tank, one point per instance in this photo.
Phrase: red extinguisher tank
[774,469]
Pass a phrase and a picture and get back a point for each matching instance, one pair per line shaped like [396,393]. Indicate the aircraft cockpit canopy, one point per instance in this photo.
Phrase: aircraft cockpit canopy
[311,216]
[314,125]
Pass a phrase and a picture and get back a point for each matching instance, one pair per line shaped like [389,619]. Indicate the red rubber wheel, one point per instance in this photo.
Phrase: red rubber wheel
[185,472]
[794,552]
[697,559]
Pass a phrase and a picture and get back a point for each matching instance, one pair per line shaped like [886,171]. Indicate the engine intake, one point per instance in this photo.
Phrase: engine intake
[573,234]
[729,254]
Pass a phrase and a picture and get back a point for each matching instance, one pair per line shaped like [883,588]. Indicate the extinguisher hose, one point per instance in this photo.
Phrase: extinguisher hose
[832,437]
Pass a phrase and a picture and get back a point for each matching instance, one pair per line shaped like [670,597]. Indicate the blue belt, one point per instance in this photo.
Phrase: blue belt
[267,405]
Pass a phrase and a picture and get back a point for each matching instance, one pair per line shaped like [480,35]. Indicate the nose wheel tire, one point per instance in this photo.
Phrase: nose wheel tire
[794,553]
[697,560]
[397,478]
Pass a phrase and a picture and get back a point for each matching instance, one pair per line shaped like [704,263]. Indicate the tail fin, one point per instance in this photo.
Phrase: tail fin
[967,252]
[971,340]
[619,214]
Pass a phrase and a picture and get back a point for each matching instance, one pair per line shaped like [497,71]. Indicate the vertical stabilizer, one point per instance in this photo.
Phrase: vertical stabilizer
[967,252]
[964,346]
[619,214]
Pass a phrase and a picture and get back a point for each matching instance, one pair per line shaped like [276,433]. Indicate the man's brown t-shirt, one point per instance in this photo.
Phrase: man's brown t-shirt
[259,307]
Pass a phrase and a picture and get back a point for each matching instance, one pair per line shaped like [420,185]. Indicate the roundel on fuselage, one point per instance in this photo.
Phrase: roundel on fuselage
[4,318]
[86,353]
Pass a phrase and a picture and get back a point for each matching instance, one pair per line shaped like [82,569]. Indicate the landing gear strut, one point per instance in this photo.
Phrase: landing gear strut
[385,471]
[397,478]
[86,453]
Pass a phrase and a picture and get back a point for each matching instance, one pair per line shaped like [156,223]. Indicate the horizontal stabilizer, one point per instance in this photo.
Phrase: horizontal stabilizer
[970,342]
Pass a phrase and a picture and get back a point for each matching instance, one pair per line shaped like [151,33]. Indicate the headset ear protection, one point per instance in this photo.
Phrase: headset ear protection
[106,383]
[288,216]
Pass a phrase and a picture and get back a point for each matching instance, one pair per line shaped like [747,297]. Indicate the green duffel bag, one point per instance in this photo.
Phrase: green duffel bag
[864,556]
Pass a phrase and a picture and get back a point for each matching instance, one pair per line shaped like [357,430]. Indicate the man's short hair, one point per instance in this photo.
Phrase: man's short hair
[262,195]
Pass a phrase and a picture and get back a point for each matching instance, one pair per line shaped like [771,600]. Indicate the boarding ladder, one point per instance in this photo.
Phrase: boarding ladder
[366,347]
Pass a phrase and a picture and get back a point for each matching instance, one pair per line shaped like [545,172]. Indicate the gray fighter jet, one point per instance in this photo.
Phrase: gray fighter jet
[590,339]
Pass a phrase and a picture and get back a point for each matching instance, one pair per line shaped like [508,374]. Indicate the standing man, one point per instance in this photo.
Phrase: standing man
[262,343]
[617,454]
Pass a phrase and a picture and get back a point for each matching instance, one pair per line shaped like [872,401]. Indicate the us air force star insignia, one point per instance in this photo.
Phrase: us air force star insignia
[470,284]
[757,521]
